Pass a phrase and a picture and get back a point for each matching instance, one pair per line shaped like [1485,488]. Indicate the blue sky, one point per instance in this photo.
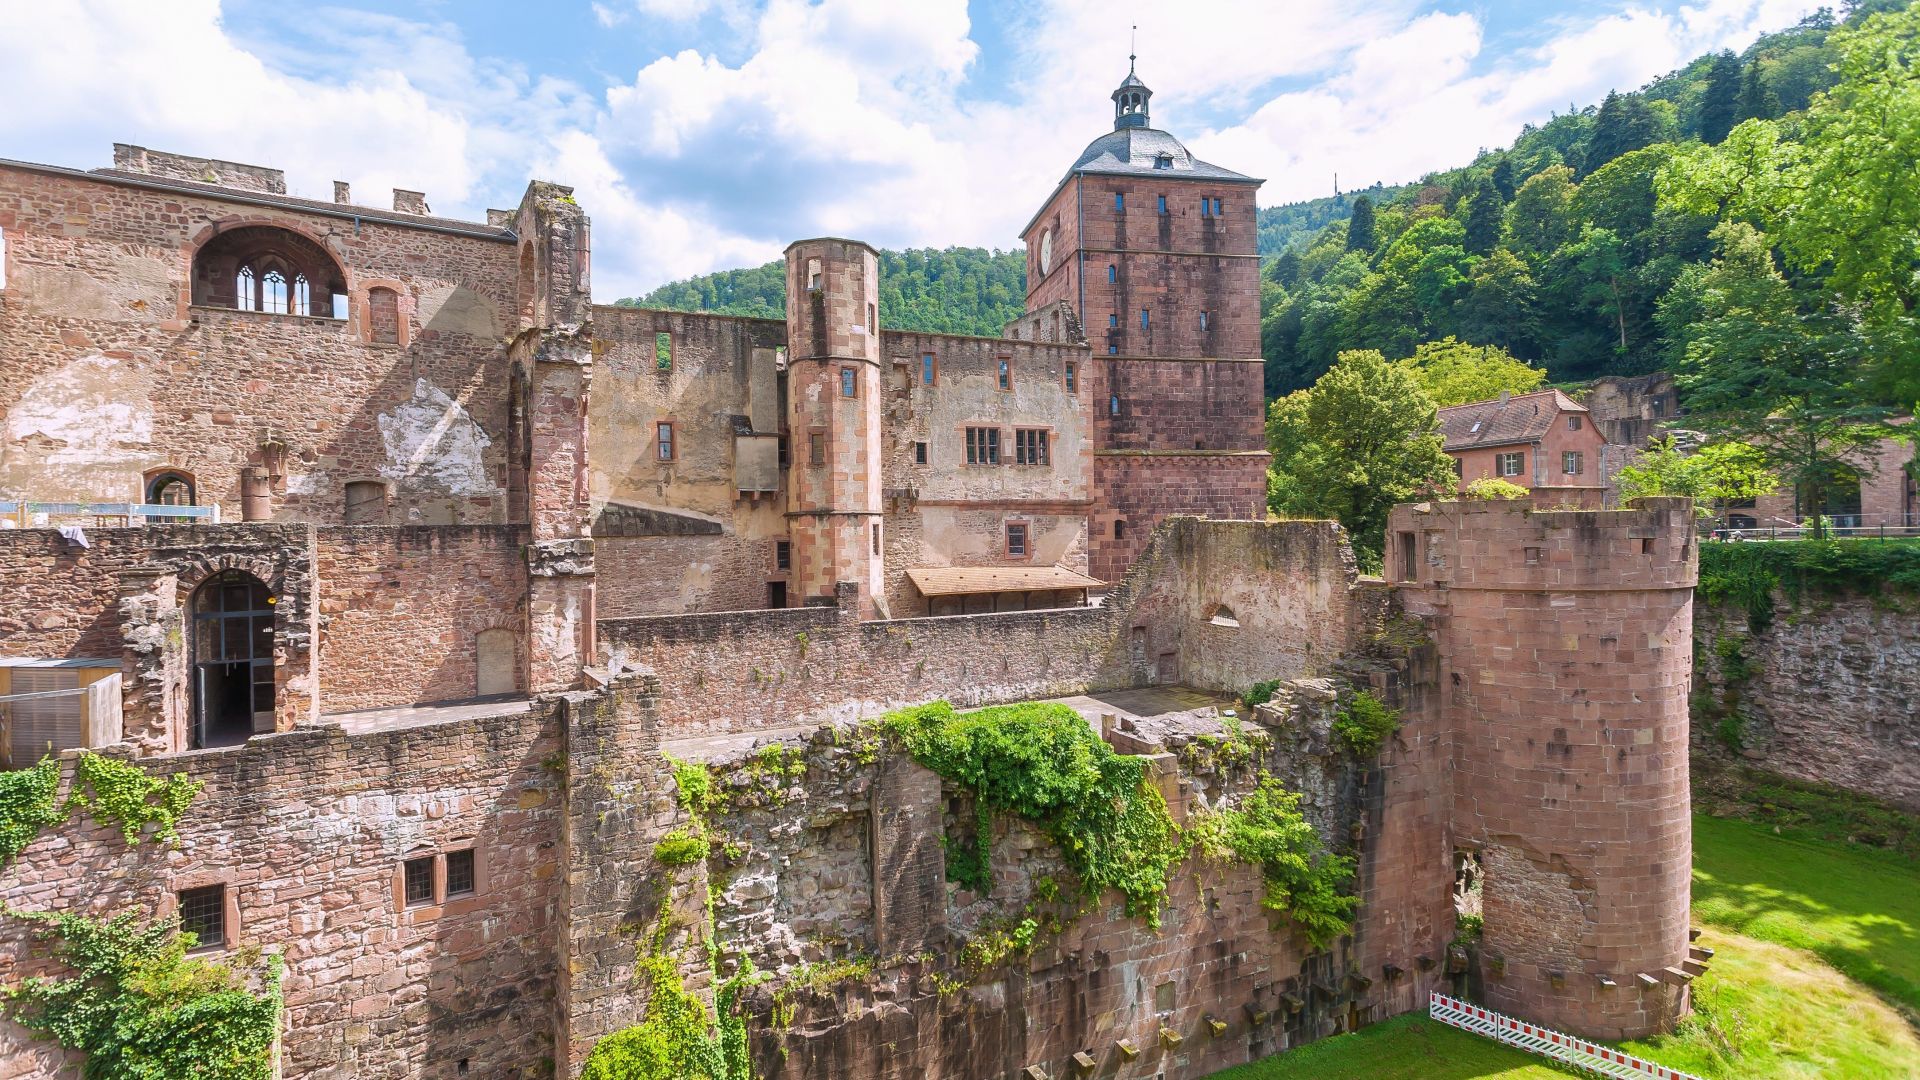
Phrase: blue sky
[706,134]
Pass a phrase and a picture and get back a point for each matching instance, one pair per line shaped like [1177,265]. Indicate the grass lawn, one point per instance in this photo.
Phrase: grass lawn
[1778,911]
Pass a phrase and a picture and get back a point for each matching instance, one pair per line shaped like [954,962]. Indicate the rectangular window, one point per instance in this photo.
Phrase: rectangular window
[927,369]
[876,539]
[1030,447]
[1459,469]
[1510,464]
[663,352]
[1113,273]
[873,319]
[1660,406]
[817,449]
[1571,462]
[1113,405]
[983,446]
[783,554]
[1006,373]
[663,439]
[1072,377]
[849,382]
[1205,318]
[1573,422]
[203,913]
[1206,207]
[1113,320]
[461,875]
[1219,208]
[919,453]
[1163,204]
[1145,319]
[1113,350]
[1119,202]
[419,881]
[1016,540]
[1409,561]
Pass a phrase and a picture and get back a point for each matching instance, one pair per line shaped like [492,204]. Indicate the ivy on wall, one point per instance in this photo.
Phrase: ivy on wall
[132,1000]
[1303,880]
[1746,574]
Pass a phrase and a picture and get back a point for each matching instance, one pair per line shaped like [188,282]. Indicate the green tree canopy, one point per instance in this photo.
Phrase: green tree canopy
[1719,474]
[1453,372]
[1360,226]
[1363,438]
[1720,100]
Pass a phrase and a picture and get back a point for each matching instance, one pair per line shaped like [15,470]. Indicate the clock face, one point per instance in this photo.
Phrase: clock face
[1046,251]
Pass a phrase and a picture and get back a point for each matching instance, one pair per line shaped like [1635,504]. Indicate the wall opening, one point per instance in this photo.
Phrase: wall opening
[497,662]
[366,502]
[267,269]
[233,688]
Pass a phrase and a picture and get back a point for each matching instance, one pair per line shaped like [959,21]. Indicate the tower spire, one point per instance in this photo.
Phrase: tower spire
[1133,48]
[1130,101]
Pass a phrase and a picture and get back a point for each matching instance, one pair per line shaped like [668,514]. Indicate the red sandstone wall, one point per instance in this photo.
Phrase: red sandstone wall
[1142,490]
[400,610]
[1565,647]
[308,830]
[99,351]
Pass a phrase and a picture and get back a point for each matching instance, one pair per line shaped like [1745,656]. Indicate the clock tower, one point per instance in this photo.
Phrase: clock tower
[1155,250]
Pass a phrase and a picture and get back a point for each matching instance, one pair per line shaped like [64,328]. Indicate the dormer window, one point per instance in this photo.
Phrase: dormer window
[1164,161]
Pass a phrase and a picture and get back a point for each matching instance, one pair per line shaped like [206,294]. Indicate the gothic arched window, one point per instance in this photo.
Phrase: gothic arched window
[302,296]
[246,294]
[273,292]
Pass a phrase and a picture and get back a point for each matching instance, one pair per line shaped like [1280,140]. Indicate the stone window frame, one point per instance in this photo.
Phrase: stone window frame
[817,454]
[1206,318]
[929,374]
[1070,377]
[442,905]
[921,452]
[1003,373]
[150,483]
[1007,529]
[1119,202]
[782,557]
[232,928]
[983,445]
[1042,446]
[670,442]
[849,383]
[354,286]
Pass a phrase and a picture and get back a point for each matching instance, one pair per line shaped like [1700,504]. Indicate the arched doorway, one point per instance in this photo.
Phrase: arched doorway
[232,659]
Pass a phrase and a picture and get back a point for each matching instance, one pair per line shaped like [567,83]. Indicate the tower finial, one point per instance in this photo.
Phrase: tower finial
[1133,48]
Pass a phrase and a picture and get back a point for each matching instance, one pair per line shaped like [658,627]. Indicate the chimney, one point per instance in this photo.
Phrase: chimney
[1506,396]
[500,219]
[342,192]
[410,202]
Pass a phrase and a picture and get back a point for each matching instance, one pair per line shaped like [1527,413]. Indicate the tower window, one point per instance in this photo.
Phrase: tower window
[1113,275]
[817,449]
[1163,203]
[927,369]
[1113,350]
[1205,319]
[783,554]
[1113,405]
[663,440]
[1206,207]
[1164,161]
[1072,377]
[1219,208]
[849,383]
[1113,320]
[1119,528]
[1016,539]
[1119,202]
[1146,319]
[1006,373]
[663,352]
[920,453]
[876,539]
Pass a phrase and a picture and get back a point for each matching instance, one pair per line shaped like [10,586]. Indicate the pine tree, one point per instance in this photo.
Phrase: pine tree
[1360,226]
[1756,100]
[1720,100]
[1503,181]
[1625,122]
[1485,210]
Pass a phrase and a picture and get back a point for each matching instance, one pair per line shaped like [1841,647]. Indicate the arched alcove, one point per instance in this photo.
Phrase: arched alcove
[268,269]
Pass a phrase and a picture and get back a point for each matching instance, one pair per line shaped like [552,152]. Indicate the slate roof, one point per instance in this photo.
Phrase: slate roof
[1132,151]
[1522,418]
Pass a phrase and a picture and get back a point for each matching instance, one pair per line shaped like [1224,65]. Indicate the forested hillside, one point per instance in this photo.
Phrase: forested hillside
[1557,248]
[1296,224]
[951,291]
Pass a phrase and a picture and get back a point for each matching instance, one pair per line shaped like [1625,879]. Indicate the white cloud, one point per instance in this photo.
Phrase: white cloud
[871,118]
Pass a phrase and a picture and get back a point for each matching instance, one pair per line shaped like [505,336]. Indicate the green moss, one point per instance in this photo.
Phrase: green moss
[682,847]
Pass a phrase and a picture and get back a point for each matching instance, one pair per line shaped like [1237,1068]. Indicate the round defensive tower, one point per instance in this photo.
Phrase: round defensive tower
[1565,642]
[834,386]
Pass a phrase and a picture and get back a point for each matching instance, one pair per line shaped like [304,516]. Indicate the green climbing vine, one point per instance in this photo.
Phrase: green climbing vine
[29,803]
[1746,575]
[123,795]
[140,1008]
[132,1001]
[1303,879]
[1041,762]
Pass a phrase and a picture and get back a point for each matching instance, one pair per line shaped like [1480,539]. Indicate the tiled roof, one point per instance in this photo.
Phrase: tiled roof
[1521,418]
[969,580]
[1134,151]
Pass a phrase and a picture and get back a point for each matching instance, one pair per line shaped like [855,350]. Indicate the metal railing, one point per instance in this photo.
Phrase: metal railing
[1588,1057]
[31,515]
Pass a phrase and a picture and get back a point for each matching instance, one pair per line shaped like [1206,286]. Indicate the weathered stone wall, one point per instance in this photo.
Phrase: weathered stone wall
[308,830]
[1824,693]
[401,611]
[110,374]
[1564,653]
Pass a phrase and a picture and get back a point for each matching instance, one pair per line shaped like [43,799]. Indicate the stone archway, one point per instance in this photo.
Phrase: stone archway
[232,676]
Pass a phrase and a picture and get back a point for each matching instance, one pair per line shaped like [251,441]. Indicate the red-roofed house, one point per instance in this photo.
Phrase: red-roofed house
[1544,441]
